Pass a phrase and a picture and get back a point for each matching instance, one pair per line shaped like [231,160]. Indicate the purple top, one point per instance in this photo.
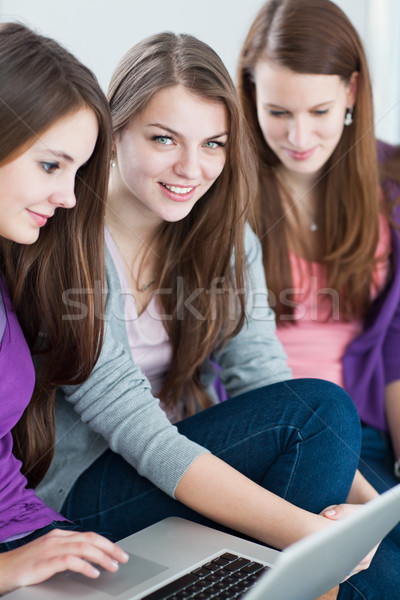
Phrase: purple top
[20,509]
[372,360]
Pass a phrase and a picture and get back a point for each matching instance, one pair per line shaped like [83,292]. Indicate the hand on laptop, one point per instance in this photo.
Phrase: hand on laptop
[59,550]
[340,511]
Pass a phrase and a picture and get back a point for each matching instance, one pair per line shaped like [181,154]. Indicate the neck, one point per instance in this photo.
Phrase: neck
[129,222]
[299,184]
[303,200]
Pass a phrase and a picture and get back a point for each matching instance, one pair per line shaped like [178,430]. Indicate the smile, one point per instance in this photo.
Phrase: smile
[177,189]
[39,219]
[301,155]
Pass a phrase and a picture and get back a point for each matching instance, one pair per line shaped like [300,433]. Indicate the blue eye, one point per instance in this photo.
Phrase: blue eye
[50,167]
[164,140]
[212,144]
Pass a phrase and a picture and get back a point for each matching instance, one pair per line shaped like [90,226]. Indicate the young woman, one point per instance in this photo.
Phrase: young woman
[53,122]
[327,225]
[267,461]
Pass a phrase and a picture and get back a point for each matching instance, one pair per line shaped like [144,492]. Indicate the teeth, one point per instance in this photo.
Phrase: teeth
[178,190]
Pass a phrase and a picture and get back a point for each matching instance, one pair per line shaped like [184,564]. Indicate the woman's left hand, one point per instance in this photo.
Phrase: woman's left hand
[340,511]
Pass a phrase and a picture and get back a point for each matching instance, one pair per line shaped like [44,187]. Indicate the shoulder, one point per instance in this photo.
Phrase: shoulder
[3,313]
[252,246]
[385,150]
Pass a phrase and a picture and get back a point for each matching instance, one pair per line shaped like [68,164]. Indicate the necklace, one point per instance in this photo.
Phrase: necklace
[313,223]
[146,286]
[142,288]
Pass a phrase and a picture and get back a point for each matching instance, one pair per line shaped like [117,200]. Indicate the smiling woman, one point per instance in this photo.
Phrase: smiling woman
[42,179]
[166,160]
[54,121]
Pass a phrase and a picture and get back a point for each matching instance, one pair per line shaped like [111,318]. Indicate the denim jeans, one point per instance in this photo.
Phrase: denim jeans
[377,463]
[299,439]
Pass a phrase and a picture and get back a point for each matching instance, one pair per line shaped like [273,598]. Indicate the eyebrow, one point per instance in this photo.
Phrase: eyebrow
[316,106]
[57,154]
[177,134]
[63,155]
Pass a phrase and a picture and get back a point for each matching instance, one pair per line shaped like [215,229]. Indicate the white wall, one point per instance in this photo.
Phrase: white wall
[100,31]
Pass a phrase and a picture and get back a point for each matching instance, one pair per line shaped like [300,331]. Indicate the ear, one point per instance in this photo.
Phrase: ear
[352,88]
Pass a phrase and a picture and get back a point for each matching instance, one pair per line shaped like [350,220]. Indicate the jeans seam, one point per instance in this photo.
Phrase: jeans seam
[357,590]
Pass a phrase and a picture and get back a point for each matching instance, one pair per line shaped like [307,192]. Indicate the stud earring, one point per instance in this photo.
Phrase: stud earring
[348,118]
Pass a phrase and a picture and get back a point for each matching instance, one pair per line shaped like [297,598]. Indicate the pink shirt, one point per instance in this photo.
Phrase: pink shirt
[316,344]
[148,340]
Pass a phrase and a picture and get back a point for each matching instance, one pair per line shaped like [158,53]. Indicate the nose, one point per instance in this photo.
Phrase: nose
[298,132]
[187,165]
[64,195]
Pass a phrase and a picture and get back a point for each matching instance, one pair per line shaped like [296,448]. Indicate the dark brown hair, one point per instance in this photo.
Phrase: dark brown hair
[316,37]
[199,248]
[40,83]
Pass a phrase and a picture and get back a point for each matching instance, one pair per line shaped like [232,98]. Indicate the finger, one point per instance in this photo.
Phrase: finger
[337,512]
[107,547]
[331,512]
[90,551]
[70,562]
[99,541]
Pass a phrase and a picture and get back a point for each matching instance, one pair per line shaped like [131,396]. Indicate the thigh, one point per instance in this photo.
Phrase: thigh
[299,439]
[295,438]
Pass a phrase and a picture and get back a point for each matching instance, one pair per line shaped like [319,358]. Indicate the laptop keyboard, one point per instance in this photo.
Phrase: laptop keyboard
[225,577]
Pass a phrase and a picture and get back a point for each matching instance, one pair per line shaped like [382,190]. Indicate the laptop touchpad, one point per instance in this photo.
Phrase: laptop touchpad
[135,571]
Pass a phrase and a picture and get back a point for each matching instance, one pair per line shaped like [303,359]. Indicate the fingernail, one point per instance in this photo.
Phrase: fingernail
[330,512]
[125,555]
[95,572]
[115,565]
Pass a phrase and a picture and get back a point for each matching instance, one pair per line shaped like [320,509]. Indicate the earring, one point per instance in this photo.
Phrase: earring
[113,162]
[348,118]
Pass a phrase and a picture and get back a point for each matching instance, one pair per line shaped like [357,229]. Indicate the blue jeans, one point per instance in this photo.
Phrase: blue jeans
[376,464]
[298,439]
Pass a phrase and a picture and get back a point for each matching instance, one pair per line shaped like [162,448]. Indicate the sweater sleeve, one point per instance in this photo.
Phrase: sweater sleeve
[116,402]
[254,357]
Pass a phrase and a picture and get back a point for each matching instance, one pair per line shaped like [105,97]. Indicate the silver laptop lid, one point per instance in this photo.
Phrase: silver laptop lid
[317,563]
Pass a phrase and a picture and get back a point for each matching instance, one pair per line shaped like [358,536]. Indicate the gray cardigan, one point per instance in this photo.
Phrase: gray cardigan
[115,409]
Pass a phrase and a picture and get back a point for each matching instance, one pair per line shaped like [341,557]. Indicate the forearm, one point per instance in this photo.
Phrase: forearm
[214,489]
[392,407]
[361,491]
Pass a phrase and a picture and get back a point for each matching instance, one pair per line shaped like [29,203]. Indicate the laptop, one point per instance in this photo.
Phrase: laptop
[176,550]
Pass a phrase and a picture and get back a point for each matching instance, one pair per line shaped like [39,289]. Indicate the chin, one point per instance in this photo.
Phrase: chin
[26,239]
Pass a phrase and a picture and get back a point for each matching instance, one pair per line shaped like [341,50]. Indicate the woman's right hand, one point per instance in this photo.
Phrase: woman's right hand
[57,551]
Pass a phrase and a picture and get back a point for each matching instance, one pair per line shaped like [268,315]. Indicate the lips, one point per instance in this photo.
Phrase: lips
[178,193]
[304,155]
[39,219]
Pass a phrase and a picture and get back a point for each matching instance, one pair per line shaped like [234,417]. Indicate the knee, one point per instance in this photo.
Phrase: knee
[333,406]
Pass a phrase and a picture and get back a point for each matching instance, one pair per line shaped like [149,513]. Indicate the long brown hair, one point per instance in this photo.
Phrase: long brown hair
[316,37]
[198,250]
[52,282]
